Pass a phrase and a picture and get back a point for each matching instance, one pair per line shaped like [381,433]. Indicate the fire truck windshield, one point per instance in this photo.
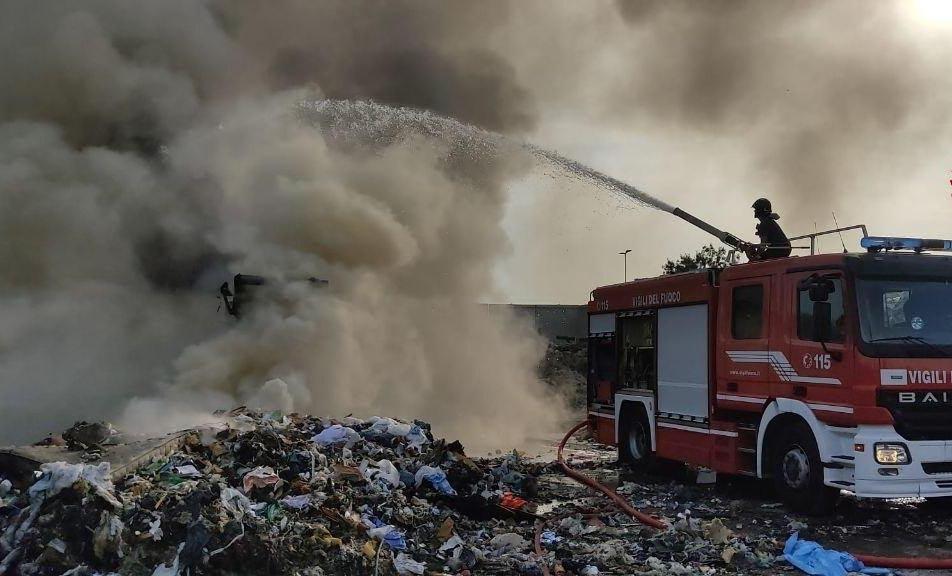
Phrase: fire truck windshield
[905,317]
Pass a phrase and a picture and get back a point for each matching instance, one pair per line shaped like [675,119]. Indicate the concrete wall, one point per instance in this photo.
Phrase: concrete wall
[551,320]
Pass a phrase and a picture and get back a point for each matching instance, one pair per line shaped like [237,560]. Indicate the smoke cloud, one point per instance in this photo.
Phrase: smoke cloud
[819,106]
[147,153]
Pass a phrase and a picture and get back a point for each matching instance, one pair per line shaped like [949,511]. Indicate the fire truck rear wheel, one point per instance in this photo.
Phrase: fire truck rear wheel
[634,437]
[798,472]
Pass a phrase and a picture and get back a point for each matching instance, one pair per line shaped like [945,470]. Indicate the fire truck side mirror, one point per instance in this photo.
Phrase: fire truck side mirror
[819,288]
[822,321]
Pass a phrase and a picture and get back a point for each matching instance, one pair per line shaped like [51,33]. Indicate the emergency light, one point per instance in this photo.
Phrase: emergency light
[878,243]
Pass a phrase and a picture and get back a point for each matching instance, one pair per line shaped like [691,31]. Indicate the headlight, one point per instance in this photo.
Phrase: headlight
[889,453]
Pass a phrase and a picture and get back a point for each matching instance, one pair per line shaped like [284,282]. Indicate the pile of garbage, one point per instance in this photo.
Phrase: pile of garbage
[270,493]
[276,494]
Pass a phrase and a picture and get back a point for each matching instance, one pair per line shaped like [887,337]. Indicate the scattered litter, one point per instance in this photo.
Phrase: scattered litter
[509,542]
[816,560]
[296,502]
[290,494]
[512,502]
[436,478]
[407,565]
[335,434]
[187,471]
[260,477]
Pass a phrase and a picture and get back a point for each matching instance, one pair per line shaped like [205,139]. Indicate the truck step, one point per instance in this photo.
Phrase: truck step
[747,450]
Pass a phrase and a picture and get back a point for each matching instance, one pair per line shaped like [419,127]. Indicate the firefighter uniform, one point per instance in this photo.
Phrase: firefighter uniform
[775,242]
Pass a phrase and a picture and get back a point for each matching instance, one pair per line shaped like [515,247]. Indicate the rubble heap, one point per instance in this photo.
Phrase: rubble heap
[268,493]
[277,494]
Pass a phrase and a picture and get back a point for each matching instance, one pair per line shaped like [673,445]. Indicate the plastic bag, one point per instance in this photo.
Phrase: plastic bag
[417,438]
[260,477]
[57,476]
[385,471]
[335,434]
[436,478]
[296,502]
[407,565]
[386,533]
[236,503]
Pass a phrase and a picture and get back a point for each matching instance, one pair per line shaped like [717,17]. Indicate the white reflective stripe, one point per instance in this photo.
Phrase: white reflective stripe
[601,414]
[741,399]
[812,380]
[778,361]
[831,408]
[698,430]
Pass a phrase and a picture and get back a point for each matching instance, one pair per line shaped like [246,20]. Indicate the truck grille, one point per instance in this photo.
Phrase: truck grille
[917,420]
[937,467]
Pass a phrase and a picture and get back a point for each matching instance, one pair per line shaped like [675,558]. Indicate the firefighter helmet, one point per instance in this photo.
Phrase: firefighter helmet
[762,206]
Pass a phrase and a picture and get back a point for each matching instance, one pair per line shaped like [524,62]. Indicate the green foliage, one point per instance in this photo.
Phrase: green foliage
[707,257]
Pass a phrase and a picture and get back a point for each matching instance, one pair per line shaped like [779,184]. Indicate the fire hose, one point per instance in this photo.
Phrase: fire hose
[878,561]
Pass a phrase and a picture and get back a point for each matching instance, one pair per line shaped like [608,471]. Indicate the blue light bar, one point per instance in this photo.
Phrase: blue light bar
[877,243]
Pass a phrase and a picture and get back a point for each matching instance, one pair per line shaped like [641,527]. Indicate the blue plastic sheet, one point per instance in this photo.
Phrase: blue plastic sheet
[436,478]
[386,533]
[818,561]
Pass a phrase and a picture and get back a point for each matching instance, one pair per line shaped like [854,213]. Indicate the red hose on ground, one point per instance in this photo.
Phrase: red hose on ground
[877,561]
[594,484]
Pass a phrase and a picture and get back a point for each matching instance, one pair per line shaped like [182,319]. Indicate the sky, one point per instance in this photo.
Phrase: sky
[891,174]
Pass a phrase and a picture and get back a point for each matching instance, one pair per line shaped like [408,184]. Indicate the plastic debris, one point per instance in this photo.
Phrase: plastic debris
[155,529]
[385,471]
[436,478]
[270,499]
[816,560]
[509,542]
[57,476]
[260,477]
[187,471]
[406,565]
[386,533]
[336,434]
[297,502]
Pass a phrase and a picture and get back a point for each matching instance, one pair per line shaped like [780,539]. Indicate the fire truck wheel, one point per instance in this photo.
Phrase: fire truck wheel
[798,472]
[634,437]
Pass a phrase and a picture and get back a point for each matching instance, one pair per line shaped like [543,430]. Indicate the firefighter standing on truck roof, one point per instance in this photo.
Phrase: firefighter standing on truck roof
[774,243]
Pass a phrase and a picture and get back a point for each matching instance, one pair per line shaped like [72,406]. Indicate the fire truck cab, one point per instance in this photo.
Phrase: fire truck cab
[824,373]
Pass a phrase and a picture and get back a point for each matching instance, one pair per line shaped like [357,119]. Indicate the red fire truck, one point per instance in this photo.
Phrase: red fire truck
[825,372]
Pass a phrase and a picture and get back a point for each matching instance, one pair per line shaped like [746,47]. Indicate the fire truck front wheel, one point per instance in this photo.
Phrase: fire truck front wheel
[798,471]
[634,437]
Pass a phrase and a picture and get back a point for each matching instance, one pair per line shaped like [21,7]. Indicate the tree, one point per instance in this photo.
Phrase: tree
[707,257]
